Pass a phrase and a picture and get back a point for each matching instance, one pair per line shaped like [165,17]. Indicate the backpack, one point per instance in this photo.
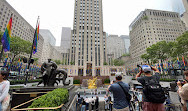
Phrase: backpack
[153,91]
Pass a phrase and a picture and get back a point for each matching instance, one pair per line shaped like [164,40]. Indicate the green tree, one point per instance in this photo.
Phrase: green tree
[57,62]
[19,46]
[158,51]
[182,44]
[118,62]
[125,55]
[145,58]
[105,63]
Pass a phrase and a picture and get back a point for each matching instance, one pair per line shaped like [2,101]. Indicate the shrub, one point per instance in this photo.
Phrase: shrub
[52,99]
[76,82]
[107,81]
[167,80]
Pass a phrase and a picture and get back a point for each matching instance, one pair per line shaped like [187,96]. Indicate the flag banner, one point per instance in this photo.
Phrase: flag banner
[5,63]
[178,62]
[36,37]
[183,60]
[5,40]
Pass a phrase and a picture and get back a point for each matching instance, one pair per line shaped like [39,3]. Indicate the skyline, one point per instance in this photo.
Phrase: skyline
[116,20]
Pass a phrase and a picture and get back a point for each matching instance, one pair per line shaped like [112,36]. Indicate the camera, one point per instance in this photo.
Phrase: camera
[181,81]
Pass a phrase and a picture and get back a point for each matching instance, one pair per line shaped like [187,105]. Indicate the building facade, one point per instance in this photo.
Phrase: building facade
[115,46]
[49,49]
[177,6]
[150,27]
[20,27]
[88,44]
[185,14]
[126,39]
[48,36]
[49,52]
[65,38]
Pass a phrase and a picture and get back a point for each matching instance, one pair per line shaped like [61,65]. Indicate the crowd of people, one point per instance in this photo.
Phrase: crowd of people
[151,98]
[83,104]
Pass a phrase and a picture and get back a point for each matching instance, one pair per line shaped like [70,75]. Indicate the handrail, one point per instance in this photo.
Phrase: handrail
[14,108]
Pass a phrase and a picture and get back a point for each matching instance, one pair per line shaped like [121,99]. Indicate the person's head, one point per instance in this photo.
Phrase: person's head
[49,60]
[186,75]
[4,75]
[146,69]
[118,76]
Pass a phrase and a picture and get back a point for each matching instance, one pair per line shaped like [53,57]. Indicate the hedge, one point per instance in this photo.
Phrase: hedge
[76,82]
[52,99]
[23,81]
[107,81]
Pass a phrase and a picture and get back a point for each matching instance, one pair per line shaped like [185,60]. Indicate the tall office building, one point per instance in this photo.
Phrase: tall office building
[115,46]
[88,50]
[185,14]
[65,38]
[20,27]
[177,6]
[126,39]
[48,36]
[49,49]
[150,27]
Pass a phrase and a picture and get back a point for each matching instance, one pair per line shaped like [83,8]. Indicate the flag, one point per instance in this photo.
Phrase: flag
[178,62]
[183,60]
[5,63]
[36,36]
[18,63]
[6,36]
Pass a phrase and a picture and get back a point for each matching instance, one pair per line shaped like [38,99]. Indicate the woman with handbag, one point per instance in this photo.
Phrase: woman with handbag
[4,88]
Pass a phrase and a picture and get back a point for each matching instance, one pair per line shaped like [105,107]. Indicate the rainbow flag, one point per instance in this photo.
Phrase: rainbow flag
[6,36]
[36,36]
[183,60]
[178,62]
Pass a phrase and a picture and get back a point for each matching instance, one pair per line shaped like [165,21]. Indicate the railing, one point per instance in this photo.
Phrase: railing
[72,106]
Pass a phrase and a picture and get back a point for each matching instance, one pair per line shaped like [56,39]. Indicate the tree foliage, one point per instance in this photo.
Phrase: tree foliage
[118,62]
[19,46]
[163,50]
[57,62]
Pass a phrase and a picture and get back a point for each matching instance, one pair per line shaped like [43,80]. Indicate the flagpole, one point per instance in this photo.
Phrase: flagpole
[29,62]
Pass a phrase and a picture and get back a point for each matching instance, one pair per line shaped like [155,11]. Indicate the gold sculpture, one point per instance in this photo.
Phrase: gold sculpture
[92,83]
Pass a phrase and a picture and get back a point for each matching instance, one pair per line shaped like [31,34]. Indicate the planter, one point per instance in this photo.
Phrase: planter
[53,100]
[106,83]
[77,84]
[22,109]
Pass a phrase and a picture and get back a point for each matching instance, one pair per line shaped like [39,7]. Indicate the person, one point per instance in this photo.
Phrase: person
[97,103]
[110,102]
[87,103]
[183,91]
[79,102]
[83,105]
[92,103]
[120,99]
[106,102]
[152,101]
[4,88]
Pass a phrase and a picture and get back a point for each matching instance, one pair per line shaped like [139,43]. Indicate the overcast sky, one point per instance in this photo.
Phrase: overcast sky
[55,14]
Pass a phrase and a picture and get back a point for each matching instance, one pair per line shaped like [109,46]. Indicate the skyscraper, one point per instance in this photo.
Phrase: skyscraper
[126,39]
[65,38]
[48,36]
[150,27]
[88,50]
[177,6]
[185,14]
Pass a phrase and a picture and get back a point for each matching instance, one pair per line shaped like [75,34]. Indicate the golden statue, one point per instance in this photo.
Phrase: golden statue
[92,83]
